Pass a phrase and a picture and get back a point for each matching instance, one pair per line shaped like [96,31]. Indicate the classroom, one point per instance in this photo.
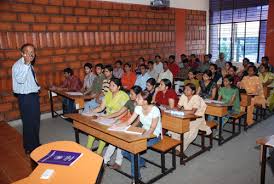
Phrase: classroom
[136,91]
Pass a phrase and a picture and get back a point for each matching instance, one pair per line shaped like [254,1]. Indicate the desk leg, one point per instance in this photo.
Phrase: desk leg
[182,154]
[136,177]
[76,131]
[51,104]
[263,164]
[220,130]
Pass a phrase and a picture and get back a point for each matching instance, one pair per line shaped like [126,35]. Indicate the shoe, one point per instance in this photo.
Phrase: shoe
[115,166]
[178,153]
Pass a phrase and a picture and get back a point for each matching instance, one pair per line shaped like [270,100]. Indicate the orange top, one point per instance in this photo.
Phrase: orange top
[128,80]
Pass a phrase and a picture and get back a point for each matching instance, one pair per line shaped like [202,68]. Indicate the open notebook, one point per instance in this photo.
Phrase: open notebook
[213,101]
[128,129]
[75,93]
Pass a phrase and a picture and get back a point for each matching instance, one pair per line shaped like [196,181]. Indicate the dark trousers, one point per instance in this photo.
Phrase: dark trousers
[68,106]
[29,105]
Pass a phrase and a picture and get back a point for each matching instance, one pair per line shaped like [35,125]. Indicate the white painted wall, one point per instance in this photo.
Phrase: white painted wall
[183,4]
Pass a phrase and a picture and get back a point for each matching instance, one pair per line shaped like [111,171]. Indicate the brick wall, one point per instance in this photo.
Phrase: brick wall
[70,33]
[270,33]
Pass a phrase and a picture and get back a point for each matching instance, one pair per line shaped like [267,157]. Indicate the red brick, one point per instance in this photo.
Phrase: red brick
[56,2]
[52,9]
[60,51]
[84,4]
[42,18]
[26,17]
[66,10]
[24,1]
[92,27]
[12,115]
[70,3]
[36,9]
[57,19]
[95,20]
[68,27]
[74,51]
[21,27]
[103,27]
[105,55]
[79,11]
[114,13]
[95,4]
[75,65]
[114,28]
[39,27]
[92,12]
[5,26]
[54,27]
[117,6]
[107,20]
[81,27]
[57,59]
[19,8]
[83,19]
[44,2]
[103,12]
[70,19]
[4,16]
[70,58]
[83,57]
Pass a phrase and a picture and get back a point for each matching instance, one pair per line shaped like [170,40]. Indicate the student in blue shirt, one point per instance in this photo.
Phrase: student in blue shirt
[142,78]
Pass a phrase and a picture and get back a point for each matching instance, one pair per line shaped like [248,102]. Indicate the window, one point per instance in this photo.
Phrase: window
[238,29]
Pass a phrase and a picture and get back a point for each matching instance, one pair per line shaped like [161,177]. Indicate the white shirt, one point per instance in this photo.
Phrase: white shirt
[158,67]
[142,80]
[146,120]
[153,74]
[166,75]
[23,81]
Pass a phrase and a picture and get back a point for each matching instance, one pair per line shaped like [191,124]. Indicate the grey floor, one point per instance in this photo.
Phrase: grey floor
[237,161]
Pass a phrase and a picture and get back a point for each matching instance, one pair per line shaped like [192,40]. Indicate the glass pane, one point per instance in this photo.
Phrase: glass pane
[263,29]
[226,16]
[214,41]
[215,17]
[261,52]
[253,13]
[238,41]
[239,15]
[251,40]
[264,12]
[225,40]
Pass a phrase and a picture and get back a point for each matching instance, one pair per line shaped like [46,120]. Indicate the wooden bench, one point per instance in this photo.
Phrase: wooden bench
[239,116]
[166,145]
[212,125]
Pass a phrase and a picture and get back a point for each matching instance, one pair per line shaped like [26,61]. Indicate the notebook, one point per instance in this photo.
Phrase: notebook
[128,129]
[58,157]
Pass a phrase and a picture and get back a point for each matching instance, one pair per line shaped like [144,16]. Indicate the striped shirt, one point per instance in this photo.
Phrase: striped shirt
[23,81]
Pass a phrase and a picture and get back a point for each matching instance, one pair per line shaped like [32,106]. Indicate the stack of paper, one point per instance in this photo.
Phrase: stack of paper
[75,93]
[128,129]
[213,101]
[106,121]
[90,114]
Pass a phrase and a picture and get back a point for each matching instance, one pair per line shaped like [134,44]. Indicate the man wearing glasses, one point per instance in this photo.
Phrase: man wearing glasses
[26,88]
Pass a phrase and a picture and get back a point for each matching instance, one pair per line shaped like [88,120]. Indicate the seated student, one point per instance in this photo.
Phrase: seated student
[150,118]
[158,65]
[71,83]
[252,84]
[216,76]
[193,62]
[265,76]
[221,61]
[232,71]
[243,70]
[190,103]
[191,78]
[229,94]
[150,86]
[265,61]
[172,65]
[118,70]
[101,87]
[204,65]
[128,78]
[151,71]
[142,78]
[165,95]
[183,62]
[123,114]
[89,78]
[166,74]
[141,61]
[207,88]
[113,101]
[225,70]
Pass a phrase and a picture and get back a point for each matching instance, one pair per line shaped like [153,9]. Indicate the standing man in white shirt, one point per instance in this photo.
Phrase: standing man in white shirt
[158,65]
[26,88]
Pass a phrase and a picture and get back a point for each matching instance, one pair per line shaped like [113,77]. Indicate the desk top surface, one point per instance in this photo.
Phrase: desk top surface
[65,94]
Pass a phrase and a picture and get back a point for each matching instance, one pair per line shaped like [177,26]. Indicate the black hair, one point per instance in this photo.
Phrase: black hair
[246,59]
[193,71]
[214,65]
[229,63]
[118,61]
[151,81]
[109,68]
[167,83]
[165,62]
[191,86]
[100,65]
[183,55]
[172,57]
[210,56]
[142,58]
[136,89]
[229,77]
[143,66]
[150,62]
[265,66]
[254,69]
[68,70]
[197,60]
[89,65]
[234,68]
[193,55]
[146,96]
[208,73]
[26,45]
[266,58]
[116,81]
[127,64]
[157,56]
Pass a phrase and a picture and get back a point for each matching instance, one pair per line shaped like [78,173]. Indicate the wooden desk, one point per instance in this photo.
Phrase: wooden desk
[219,111]
[245,100]
[178,125]
[78,100]
[84,170]
[262,141]
[134,144]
